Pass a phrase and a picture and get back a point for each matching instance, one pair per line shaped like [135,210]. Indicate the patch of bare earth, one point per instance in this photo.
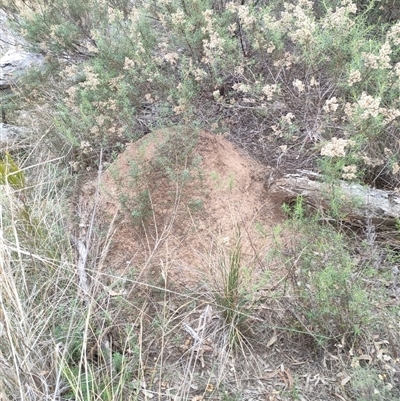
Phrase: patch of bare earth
[186,224]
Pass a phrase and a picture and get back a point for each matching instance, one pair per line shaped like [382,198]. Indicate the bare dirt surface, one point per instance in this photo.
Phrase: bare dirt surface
[189,224]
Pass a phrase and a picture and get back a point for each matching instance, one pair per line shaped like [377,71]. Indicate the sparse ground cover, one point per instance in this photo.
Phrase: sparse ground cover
[140,255]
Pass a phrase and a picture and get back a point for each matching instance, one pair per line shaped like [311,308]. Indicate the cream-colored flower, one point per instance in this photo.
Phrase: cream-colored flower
[100,120]
[178,18]
[149,98]
[128,64]
[239,70]
[92,78]
[354,76]
[244,14]
[331,105]
[369,104]
[231,6]
[94,130]
[397,70]
[86,147]
[372,162]
[340,18]
[241,87]
[382,60]
[349,172]
[217,96]
[394,34]
[270,91]
[180,109]
[298,85]
[336,147]
[171,58]
[287,61]
[288,118]
[271,47]
[389,114]
[199,74]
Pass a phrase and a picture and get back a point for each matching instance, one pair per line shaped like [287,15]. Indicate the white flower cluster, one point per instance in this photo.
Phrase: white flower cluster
[365,107]
[372,162]
[298,85]
[86,147]
[214,45]
[70,71]
[397,70]
[305,26]
[178,18]
[241,87]
[394,34]
[380,61]
[171,58]
[244,15]
[199,74]
[92,78]
[114,14]
[354,77]
[286,62]
[340,18]
[389,114]
[336,147]
[370,105]
[349,172]
[331,105]
[270,91]
[288,119]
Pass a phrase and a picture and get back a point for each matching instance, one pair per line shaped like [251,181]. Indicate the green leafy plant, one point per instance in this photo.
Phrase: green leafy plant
[330,301]
[10,173]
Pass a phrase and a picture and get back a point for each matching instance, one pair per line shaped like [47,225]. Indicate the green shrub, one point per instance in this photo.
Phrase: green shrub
[164,162]
[295,72]
[329,298]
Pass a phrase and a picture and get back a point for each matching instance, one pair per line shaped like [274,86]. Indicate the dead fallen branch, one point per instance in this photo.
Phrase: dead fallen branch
[357,203]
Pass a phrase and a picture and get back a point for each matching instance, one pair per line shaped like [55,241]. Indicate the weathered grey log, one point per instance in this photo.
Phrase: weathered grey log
[8,38]
[14,63]
[11,133]
[14,59]
[356,202]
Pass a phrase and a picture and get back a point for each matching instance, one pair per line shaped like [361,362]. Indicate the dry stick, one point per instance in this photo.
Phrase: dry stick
[198,339]
[82,248]
[83,281]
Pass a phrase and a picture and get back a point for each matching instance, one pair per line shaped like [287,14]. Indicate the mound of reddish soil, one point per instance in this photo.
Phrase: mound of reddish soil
[178,215]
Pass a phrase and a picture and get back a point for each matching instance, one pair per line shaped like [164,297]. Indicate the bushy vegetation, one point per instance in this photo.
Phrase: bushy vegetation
[292,74]
[299,84]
